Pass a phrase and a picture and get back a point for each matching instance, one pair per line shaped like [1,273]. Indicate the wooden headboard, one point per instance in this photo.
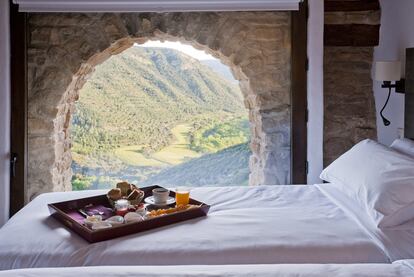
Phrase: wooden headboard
[409,94]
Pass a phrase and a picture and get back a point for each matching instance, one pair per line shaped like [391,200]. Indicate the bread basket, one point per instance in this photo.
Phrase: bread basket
[127,191]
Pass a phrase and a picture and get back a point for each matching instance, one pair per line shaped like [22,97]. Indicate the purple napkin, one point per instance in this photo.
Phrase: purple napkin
[90,210]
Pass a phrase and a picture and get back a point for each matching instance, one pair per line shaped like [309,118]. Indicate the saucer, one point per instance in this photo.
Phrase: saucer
[150,200]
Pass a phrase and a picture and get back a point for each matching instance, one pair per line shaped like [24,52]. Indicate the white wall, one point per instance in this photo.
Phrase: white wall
[4,111]
[397,34]
[315,90]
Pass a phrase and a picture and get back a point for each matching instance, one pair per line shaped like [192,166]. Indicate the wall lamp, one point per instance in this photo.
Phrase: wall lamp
[390,75]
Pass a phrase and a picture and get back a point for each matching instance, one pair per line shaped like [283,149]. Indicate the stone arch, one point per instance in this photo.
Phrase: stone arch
[63,51]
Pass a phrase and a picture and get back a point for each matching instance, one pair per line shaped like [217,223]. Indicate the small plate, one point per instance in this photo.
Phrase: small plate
[150,200]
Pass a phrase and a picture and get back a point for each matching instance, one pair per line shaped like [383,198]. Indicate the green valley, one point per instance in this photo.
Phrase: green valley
[149,112]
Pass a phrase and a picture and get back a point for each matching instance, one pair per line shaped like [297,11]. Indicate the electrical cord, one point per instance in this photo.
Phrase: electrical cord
[386,121]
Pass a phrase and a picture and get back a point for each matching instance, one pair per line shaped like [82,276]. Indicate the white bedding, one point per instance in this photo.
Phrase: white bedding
[397,269]
[246,225]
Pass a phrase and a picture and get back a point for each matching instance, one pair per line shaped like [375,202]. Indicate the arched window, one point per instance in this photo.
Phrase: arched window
[160,113]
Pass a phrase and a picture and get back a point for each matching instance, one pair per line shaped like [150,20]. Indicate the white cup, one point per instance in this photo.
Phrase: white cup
[160,195]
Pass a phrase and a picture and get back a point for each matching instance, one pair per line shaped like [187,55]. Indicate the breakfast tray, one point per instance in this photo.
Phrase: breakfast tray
[68,214]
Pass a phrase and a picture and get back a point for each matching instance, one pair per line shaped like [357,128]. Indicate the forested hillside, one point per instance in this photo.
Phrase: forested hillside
[148,109]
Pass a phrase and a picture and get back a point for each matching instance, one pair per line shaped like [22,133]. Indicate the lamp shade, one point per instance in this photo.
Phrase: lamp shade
[388,71]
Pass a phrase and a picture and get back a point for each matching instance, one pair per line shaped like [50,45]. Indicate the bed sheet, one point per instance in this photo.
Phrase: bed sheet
[246,225]
[397,242]
[397,269]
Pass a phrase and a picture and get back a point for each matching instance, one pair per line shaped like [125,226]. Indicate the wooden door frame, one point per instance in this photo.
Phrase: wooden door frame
[299,95]
[18,132]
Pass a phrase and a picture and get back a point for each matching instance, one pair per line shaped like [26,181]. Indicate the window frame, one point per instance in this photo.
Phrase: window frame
[19,120]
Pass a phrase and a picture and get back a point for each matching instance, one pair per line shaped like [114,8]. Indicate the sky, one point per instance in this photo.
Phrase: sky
[186,49]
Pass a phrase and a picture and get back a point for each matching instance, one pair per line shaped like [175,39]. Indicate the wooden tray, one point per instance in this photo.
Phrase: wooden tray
[62,212]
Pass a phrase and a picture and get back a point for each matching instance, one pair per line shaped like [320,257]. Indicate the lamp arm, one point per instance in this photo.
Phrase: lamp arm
[386,121]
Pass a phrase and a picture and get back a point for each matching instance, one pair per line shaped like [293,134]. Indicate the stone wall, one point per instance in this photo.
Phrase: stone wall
[63,50]
[349,114]
[349,106]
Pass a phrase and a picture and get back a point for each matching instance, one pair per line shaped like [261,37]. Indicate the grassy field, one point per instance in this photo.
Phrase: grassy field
[179,151]
[132,155]
[176,153]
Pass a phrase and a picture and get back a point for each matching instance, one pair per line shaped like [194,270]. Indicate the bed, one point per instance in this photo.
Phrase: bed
[397,269]
[246,225]
[364,215]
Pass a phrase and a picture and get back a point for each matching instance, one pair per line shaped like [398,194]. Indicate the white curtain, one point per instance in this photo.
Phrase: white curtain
[154,5]
[4,111]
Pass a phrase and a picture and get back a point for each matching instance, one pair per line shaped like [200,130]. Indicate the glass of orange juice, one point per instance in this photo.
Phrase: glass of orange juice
[182,196]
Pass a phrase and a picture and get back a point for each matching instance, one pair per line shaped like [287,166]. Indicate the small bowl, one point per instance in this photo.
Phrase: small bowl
[133,217]
[90,220]
[115,220]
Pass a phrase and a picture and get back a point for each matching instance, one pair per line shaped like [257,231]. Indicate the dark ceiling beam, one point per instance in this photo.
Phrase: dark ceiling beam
[351,35]
[351,5]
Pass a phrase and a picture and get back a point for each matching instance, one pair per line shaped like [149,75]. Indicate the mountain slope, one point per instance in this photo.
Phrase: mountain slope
[154,115]
[220,69]
[229,167]
[138,96]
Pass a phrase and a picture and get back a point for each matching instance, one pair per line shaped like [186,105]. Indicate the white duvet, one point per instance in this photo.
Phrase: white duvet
[397,269]
[246,225]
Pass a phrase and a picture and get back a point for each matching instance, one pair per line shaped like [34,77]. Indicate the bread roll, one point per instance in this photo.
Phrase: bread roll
[115,194]
[133,195]
[124,187]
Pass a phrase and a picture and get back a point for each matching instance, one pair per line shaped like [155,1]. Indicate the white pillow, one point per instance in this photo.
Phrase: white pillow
[379,178]
[405,146]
